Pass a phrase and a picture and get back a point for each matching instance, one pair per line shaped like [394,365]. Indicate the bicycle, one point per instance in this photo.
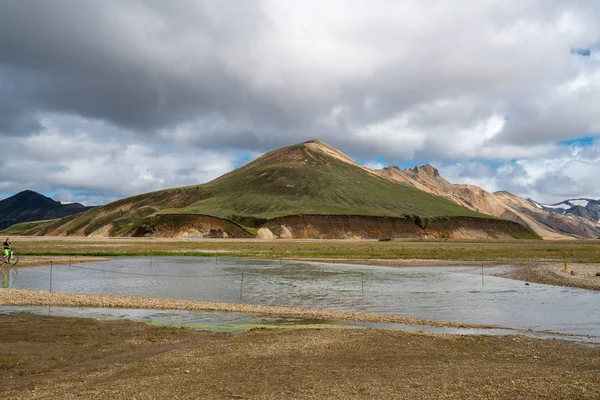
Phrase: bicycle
[13,258]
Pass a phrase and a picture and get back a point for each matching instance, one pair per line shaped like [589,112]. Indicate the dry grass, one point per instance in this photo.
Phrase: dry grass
[514,251]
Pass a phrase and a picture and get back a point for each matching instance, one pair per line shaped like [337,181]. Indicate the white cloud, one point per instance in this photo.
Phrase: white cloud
[571,172]
[81,166]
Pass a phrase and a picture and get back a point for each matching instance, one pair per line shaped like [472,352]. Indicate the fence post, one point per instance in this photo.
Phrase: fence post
[50,276]
[242,286]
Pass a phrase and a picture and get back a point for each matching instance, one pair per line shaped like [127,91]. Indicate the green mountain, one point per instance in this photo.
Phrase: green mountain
[310,178]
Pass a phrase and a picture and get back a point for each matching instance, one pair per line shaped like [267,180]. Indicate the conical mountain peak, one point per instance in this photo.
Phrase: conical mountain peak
[309,152]
[323,148]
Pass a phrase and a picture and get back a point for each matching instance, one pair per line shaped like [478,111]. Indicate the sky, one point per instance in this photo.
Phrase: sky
[100,100]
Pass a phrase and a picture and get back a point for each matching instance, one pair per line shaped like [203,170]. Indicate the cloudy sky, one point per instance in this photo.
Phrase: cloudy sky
[104,99]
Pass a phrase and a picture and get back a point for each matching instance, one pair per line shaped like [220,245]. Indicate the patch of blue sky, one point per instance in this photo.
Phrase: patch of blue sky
[373,161]
[385,162]
[582,52]
[494,164]
[59,168]
[5,195]
[585,141]
[242,158]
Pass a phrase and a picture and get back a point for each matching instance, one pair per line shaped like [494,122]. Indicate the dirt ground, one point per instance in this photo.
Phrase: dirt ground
[50,357]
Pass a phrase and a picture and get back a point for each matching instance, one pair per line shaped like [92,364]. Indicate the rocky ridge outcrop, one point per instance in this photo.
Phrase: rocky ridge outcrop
[546,223]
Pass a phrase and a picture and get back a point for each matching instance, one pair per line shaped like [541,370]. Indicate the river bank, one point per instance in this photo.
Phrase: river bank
[579,275]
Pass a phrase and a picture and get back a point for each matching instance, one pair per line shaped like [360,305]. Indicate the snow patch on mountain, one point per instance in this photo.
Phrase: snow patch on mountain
[561,205]
[580,202]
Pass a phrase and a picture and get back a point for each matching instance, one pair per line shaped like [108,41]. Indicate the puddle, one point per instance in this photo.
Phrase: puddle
[453,294]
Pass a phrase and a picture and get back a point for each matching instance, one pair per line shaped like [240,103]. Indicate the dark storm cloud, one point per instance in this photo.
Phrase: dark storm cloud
[275,71]
[122,62]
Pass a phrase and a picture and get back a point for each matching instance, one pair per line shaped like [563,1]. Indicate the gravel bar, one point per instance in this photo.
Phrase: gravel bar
[20,297]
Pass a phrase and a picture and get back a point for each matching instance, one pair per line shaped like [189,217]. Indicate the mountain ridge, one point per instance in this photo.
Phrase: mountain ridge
[29,205]
[581,207]
[502,204]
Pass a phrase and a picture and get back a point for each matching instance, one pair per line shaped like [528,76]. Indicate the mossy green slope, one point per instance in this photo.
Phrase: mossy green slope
[311,178]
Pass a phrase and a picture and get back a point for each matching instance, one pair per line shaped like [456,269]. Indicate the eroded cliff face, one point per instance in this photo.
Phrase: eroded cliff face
[332,227]
[338,227]
[360,227]
[187,225]
[548,225]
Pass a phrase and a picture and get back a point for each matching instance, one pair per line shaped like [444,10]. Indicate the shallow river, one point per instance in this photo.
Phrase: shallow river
[457,294]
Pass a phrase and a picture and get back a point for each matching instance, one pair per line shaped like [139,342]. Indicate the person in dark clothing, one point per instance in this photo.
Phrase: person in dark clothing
[7,248]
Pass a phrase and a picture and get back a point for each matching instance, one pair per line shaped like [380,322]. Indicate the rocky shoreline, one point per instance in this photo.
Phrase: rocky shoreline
[577,275]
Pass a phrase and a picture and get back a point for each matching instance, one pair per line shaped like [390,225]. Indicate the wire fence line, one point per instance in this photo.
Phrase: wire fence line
[193,276]
[149,275]
[478,268]
[241,275]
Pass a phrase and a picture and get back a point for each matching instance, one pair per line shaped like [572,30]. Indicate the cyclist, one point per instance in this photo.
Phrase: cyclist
[7,248]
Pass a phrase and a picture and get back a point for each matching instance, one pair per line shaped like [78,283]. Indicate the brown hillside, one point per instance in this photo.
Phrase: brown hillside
[548,225]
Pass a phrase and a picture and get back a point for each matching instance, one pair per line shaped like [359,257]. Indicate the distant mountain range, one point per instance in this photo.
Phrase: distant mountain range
[585,208]
[569,219]
[32,206]
[311,190]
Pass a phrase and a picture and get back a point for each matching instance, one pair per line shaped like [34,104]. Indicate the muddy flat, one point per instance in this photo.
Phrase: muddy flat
[50,357]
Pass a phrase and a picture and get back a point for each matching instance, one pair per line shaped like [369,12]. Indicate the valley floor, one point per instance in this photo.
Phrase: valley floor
[49,357]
